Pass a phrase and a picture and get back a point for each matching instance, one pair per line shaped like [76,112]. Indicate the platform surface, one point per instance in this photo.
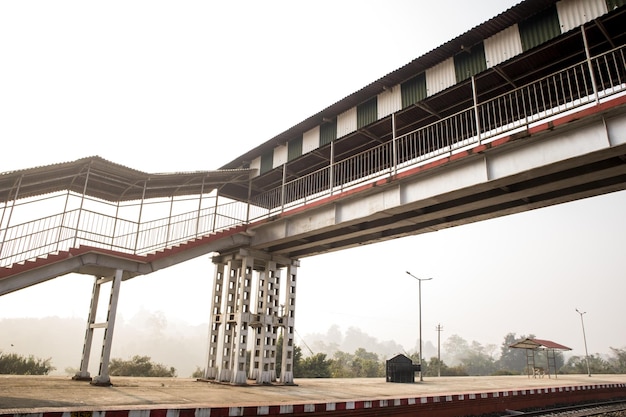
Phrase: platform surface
[32,394]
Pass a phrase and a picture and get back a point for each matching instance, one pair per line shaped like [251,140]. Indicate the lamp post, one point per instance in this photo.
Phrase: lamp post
[420,311]
[584,339]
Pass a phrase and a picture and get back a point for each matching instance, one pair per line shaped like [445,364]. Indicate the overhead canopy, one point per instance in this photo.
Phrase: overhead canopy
[109,181]
[538,344]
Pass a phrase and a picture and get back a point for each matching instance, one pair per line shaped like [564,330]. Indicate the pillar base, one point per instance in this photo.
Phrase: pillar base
[82,377]
[239,378]
[287,378]
[101,381]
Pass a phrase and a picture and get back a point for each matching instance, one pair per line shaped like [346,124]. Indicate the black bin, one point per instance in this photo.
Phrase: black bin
[401,369]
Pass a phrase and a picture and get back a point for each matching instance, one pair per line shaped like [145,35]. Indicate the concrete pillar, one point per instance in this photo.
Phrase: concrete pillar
[286,376]
[226,341]
[83,373]
[257,327]
[215,323]
[244,286]
[103,377]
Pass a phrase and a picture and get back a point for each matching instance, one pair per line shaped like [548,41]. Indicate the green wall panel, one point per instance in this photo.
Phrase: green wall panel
[413,90]
[367,113]
[539,28]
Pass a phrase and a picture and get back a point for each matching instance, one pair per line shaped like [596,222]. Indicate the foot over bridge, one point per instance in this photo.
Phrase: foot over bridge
[410,153]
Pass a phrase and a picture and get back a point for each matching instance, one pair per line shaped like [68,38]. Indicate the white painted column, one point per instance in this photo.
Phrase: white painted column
[286,376]
[226,342]
[267,346]
[257,326]
[244,285]
[83,373]
[215,326]
[103,378]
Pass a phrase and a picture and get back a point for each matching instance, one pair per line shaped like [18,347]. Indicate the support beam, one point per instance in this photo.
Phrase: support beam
[83,373]
[103,378]
[286,376]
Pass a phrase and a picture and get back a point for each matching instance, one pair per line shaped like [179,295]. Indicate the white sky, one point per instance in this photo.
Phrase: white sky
[162,86]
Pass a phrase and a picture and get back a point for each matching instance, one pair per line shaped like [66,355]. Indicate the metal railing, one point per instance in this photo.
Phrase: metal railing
[578,85]
[547,97]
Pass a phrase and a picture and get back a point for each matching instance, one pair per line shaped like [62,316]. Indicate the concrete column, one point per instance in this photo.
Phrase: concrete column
[226,341]
[244,286]
[257,326]
[83,373]
[216,321]
[271,334]
[266,340]
[286,376]
[103,377]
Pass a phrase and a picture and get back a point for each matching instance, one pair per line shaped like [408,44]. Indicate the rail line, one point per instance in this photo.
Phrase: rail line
[616,408]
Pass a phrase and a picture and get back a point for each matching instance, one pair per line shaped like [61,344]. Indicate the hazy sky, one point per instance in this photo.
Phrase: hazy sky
[162,86]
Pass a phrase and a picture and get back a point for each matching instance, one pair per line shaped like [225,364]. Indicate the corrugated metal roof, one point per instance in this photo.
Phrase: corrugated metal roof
[538,344]
[110,181]
[473,36]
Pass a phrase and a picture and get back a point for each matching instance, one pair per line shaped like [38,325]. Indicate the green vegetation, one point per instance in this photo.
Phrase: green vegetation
[14,364]
[140,366]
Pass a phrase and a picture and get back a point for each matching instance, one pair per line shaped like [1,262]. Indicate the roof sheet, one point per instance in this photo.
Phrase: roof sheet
[513,15]
[109,181]
[538,344]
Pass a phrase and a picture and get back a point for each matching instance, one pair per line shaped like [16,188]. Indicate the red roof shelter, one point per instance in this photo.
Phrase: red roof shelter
[534,345]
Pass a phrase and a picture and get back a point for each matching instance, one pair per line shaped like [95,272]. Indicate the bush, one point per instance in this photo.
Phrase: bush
[14,364]
[139,366]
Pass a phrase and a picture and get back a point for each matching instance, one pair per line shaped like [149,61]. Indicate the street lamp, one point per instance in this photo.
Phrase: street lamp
[585,340]
[420,310]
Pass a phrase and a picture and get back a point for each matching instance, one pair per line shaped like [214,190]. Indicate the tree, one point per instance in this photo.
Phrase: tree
[512,360]
[456,348]
[14,364]
[139,366]
[297,356]
[578,365]
[618,360]
[316,366]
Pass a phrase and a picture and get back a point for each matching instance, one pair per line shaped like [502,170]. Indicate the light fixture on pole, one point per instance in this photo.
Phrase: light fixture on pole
[585,340]
[420,311]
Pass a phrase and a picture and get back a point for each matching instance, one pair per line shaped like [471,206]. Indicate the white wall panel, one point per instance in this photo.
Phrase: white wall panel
[440,77]
[389,101]
[256,164]
[573,13]
[346,122]
[280,155]
[502,46]
[311,140]
[570,144]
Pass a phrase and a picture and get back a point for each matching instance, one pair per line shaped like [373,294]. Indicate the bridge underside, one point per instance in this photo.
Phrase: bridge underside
[574,157]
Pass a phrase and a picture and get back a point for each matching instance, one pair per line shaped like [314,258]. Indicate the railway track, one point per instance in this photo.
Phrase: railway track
[615,408]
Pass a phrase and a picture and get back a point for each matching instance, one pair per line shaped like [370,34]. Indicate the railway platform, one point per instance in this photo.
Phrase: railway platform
[57,396]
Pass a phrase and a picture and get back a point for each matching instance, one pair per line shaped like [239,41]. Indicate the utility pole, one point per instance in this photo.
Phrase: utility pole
[585,340]
[419,280]
[439,330]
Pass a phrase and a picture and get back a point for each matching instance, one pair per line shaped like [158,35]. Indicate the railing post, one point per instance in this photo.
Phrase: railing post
[169,221]
[214,225]
[199,208]
[331,167]
[67,198]
[475,99]
[589,64]
[394,144]
[249,200]
[282,188]
[80,209]
[143,196]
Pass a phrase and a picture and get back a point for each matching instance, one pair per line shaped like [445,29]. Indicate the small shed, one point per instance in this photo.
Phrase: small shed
[533,346]
[401,369]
